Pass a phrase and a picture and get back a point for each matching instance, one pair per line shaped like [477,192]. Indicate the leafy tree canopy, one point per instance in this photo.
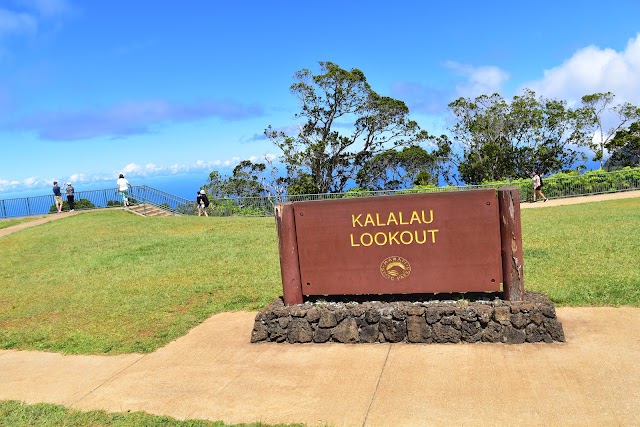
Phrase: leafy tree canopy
[393,169]
[345,124]
[625,148]
[245,181]
[501,140]
[596,109]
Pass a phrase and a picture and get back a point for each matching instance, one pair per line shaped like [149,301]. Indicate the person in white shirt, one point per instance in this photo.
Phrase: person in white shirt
[537,186]
[123,188]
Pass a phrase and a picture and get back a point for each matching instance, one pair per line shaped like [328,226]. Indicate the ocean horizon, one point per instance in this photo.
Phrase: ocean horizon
[183,185]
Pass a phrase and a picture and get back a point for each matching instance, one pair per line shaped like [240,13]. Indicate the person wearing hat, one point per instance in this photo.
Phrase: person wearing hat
[203,203]
[70,192]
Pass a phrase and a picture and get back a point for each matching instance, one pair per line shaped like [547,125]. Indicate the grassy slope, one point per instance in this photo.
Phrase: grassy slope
[587,254]
[111,282]
[6,223]
[17,414]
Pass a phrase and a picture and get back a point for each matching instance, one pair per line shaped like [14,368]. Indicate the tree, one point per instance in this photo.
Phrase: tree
[625,148]
[345,124]
[216,186]
[501,140]
[597,109]
[245,181]
[395,169]
[301,183]
[272,183]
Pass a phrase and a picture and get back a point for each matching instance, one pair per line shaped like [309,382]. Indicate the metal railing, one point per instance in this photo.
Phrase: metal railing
[163,200]
[559,186]
[95,199]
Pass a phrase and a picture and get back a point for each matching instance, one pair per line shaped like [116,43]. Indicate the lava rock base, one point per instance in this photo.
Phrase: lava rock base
[434,321]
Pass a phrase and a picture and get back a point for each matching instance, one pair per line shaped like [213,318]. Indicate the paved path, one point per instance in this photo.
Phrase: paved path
[43,220]
[582,199]
[215,373]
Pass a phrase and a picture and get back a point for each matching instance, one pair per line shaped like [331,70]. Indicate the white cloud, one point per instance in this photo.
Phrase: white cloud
[592,70]
[49,7]
[77,177]
[29,182]
[30,18]
[483,80]
[129,170]
[131,167]
[17,23]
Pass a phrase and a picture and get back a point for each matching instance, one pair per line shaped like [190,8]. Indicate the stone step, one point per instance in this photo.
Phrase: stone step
[149,210]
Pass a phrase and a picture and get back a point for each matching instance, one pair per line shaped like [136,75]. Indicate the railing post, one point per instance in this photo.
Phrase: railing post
[288,248]
[511,244]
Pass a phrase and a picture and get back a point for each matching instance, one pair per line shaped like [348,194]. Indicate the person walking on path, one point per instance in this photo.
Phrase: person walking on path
[537,186]
[203,203]
[70,192]
[58,196]
[123,188]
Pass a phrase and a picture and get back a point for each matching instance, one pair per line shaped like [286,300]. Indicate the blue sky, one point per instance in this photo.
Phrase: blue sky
[155,89]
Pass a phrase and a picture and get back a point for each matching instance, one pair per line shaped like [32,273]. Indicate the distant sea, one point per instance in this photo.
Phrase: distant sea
[185,185]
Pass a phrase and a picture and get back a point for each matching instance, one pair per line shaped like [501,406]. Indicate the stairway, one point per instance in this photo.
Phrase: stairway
[145,209]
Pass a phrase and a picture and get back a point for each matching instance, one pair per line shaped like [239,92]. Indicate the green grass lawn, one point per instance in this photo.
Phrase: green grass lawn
[16,414]
[113,282]
[586,254]
[6,223]
[109,282]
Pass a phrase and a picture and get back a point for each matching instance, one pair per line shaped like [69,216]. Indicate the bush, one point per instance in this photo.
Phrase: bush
[79,204]
[563,184]
[357,192]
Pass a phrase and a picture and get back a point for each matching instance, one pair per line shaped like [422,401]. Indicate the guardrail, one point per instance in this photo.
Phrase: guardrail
[163,200]
[559,186]
[95,199]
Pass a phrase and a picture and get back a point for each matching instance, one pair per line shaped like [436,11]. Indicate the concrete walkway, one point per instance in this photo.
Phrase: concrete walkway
[581,199]
[215,373]
[33,223]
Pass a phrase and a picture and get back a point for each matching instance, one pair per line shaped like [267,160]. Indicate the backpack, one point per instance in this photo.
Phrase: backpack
[206,200]
[540,180]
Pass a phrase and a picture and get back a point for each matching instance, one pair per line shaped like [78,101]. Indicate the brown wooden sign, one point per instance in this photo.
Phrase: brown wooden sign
[418,243]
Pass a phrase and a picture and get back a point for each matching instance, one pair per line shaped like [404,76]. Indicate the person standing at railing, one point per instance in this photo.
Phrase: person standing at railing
[123,188]
[537,186]
[70,192]
[58,196]
[203,203]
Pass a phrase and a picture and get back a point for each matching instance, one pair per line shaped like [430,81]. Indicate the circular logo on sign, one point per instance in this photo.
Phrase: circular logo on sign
[395,268]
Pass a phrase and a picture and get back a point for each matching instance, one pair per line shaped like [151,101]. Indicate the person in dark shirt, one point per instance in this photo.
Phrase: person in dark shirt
[203,203]
[70,192]
[58,196]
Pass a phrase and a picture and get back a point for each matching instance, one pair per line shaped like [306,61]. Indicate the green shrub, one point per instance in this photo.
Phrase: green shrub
[79,204]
